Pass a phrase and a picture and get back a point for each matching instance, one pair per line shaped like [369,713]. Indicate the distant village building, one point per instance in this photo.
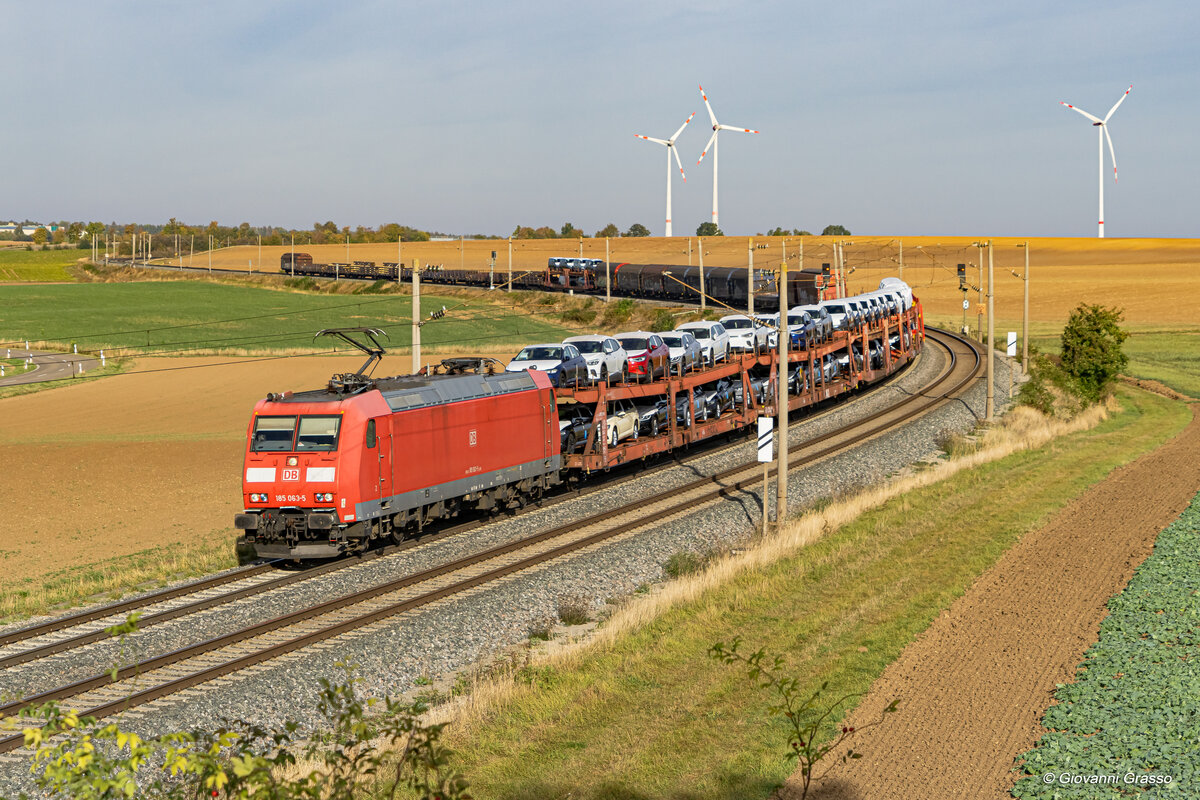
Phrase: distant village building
[27,230]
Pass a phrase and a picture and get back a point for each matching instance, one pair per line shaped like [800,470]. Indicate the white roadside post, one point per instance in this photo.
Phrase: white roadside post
[766,440]
[1011,352]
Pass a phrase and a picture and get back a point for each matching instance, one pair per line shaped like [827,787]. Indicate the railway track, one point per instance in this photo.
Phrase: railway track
[90,625]
[153,678]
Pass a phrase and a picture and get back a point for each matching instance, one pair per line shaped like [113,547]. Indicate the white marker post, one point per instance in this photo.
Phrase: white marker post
[766,441]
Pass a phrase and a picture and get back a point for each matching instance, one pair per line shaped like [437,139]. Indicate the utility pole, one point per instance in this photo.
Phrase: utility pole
[399,255]
[510,261]
[784,340]
[462,252]
[979,296]
[1025,317]
[700,242]
[259,253]
[293,255]
[210,246]
[607,274]
[991,337]
[416,318]
[750,279]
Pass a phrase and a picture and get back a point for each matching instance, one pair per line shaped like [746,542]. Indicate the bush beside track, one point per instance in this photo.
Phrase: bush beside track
[1131,712]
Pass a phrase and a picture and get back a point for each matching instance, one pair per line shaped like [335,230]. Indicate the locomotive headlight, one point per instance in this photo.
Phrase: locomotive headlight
[293,461]
[257,498]
[324,497]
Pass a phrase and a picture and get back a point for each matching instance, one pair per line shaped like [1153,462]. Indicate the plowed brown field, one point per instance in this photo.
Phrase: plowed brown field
[148,458]
[976,682]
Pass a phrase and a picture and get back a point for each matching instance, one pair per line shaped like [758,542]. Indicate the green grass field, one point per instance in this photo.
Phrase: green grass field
[187,317]
[653,717]
[19,264]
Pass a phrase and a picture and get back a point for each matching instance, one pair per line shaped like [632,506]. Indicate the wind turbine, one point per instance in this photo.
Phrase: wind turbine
[717,128]
[670,145]
[1102,134]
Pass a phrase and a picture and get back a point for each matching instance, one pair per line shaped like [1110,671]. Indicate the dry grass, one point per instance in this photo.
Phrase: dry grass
[116,577]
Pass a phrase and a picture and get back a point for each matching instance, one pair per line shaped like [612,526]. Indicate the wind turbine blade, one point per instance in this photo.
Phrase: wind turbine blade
[1111,152]
[1081,111]
[649,139]
[681,127]
[733,128]
[676,152]
[1122,100]
[711,115]
[712,139]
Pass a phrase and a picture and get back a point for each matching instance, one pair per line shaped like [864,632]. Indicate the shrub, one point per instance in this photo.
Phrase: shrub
[1091,349]
[663,320]
[619,312]
[684,562]
[362,742]
[806,720]
[574,610]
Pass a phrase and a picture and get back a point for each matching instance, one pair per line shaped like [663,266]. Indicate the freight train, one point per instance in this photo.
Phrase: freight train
[328,471]
[670,282]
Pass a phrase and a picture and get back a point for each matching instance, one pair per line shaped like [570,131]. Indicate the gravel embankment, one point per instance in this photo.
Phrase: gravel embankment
[457,633]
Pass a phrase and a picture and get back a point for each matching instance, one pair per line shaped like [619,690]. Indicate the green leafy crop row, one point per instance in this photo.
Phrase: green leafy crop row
[1131,716]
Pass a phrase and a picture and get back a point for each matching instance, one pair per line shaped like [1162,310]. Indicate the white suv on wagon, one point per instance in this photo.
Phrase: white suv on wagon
[604,356]
[713,339]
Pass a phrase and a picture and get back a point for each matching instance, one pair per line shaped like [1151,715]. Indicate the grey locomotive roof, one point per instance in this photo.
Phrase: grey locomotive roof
[418,391]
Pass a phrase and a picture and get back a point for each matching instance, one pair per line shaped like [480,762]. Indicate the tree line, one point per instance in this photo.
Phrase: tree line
[163,239]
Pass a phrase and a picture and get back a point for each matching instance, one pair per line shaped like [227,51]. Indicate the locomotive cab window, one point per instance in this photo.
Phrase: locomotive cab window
[318,433]
[273,434]
[370,433]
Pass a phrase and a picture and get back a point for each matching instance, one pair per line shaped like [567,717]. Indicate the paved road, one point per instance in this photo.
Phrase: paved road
[47,366]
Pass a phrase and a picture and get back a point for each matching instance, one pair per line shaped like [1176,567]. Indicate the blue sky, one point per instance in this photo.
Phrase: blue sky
[894,119]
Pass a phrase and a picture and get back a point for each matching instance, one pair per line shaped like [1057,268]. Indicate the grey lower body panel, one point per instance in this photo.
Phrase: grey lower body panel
[449,490]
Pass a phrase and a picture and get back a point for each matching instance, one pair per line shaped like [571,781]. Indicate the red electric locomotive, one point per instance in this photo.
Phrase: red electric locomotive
[329,470]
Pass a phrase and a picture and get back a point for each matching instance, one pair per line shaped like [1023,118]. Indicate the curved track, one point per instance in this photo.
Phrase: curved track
[163,675]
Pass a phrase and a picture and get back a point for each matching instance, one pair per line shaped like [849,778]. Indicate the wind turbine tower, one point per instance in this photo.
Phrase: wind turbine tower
[670,145]
[1102,133]
[712,143]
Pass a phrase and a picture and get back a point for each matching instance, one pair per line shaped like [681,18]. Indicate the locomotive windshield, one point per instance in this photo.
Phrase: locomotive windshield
[279,434]
[318,433]
[273,433]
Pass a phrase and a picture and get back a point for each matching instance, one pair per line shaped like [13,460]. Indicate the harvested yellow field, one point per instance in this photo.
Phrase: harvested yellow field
[1155,281]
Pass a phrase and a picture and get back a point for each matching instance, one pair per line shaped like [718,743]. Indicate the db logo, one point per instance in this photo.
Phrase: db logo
[291,474]
[472,438]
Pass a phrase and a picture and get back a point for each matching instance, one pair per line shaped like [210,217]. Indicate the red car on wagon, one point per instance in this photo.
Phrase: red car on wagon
[648,355]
